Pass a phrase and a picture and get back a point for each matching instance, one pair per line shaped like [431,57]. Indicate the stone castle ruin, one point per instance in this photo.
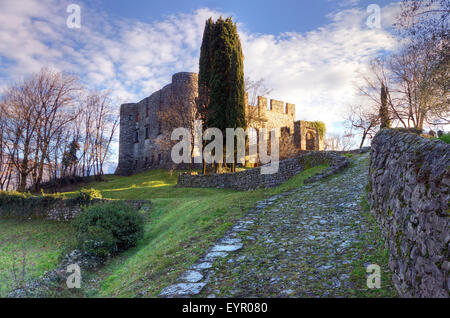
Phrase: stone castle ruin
[143,128]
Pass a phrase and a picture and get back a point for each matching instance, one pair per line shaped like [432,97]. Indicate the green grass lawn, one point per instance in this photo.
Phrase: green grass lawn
[28,249]
[181,225]
[372,251]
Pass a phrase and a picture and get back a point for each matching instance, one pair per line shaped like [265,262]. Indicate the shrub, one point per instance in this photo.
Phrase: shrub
[54,185]
[86,195]
[108,228]
[445,138]
[96,241]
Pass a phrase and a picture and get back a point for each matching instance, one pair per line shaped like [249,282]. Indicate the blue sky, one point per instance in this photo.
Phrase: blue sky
[259,16]
[307,51]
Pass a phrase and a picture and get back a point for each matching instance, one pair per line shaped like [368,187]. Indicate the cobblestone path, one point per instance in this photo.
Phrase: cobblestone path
[297,244]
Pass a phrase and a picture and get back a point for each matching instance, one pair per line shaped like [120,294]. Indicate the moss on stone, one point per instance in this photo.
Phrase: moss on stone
[320,127]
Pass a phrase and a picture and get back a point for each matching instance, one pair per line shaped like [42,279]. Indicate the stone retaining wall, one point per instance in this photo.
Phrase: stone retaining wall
[253,179]
[54,208]
[409,195]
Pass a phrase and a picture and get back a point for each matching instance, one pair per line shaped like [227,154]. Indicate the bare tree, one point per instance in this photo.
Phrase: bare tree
[35,111]
[40,117]
[417,75]
[57,95]
[415,97]
[95,129]
[339,142]
[254,118]
[425,19]
[365,120]
[6,165]
[255,89]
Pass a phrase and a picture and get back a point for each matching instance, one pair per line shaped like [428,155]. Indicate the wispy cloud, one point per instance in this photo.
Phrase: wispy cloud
[133,58]
[316,70]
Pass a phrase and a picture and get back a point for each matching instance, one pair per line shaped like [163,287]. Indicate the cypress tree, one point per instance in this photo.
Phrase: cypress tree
[221,76]
[236,99]
[204,74]
[219,85]
[384,111]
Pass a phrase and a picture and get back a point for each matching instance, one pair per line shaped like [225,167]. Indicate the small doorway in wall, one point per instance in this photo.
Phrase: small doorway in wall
[310,141]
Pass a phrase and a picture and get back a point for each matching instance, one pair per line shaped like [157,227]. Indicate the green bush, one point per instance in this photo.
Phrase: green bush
[108,228]
[86,195]
[445,138]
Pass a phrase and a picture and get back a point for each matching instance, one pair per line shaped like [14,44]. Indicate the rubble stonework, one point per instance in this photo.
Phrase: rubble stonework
[409,193]
[253,179]
[141,129]
[56,209]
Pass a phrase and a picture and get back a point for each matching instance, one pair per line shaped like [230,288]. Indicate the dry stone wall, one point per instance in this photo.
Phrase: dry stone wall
[253,179]
[54,208]
[409,195]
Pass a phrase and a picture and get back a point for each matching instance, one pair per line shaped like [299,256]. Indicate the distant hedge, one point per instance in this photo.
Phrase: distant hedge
[19,205]
[24,205]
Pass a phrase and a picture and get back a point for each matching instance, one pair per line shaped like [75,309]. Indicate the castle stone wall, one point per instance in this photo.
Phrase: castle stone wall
[143,141]
[141,120]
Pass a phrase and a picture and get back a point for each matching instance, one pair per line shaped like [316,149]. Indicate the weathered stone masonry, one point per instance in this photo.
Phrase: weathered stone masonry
[141,129]
[253,179]
[56,209]
[409,195]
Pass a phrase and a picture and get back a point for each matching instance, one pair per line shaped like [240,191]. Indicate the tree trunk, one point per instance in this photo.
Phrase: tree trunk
[23,182]
[363,139]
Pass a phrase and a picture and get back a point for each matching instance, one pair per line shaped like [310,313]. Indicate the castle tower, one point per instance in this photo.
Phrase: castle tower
[141,128]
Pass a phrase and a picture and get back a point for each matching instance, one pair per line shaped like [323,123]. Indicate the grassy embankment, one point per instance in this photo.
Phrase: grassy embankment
[181,225]
[28,249]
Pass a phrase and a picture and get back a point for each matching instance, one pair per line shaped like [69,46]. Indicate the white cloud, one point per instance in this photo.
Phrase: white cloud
[316,70]
[132,58]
